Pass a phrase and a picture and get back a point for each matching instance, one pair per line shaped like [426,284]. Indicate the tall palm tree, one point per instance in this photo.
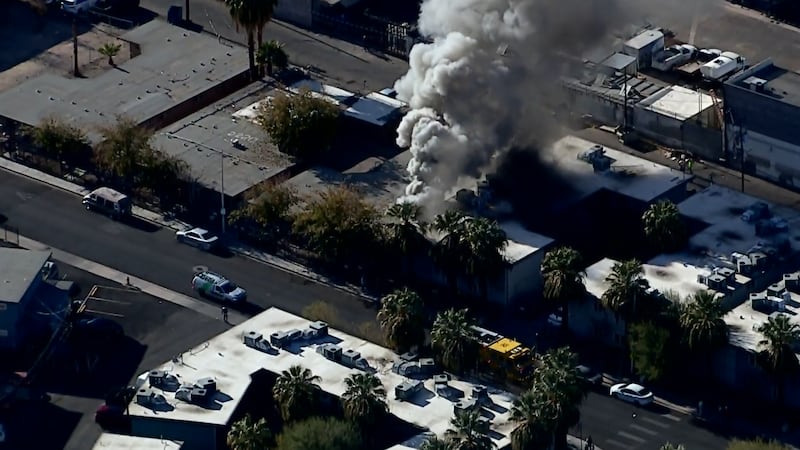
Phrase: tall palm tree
[271,54]
[466,432]
[406,230]
[627,286]
[247,434]
[664,226]
[364,399]
[402,318]
[448,253]
[295,392]
[778,355]
[483,243]
[534,430]
[252,16]
[702,322]
[453,339]
[434,443]
[559,381]
[563,279]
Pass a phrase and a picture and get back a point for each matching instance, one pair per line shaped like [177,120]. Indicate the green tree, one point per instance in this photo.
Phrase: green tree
[563,276]
[649,349]
[252,16]
[122,150]
[627,287]
[558,380]
[266,215]
[339,225]
[163,174]
[449,253]
[434,443]
[110,50]
[483,242]
[534,429]
[319,433]
[758,444]
[406,230]
[248,434]
[780,335]
[453,339]
[301,125]
[701,320]
[63,142]
[664,226]
[364,399]
[671,446]
[402,318]
[467,433]
[272,54]
[296,392]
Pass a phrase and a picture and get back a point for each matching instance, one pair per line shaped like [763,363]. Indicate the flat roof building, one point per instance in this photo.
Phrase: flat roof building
[169,66]
[223,141]
[229,365]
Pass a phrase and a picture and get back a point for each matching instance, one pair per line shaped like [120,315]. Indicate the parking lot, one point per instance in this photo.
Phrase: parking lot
[85,371]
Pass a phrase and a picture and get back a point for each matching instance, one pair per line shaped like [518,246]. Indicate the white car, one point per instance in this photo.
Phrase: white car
[632,393]
[198,237]
[216,286]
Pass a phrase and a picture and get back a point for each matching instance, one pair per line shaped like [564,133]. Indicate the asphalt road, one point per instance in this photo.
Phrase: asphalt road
[615,425]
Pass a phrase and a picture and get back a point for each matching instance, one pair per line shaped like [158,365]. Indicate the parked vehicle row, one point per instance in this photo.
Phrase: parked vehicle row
[105,6]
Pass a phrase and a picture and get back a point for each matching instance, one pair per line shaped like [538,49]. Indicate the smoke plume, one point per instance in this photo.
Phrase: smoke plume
[479,87]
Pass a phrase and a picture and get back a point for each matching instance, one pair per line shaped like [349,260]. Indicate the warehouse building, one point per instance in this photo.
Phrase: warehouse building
[762,112]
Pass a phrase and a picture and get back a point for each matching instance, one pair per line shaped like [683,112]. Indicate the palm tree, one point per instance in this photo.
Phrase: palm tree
[627,286]
[364,399]
[110,50]
[702,323]
[271,54]
[558,379]
[778,356]
[452,337]
[406,230]
[434,443]
[295,392]
[533,430]
[252,15]
[483,242]
[402,318]
[468,433]
[563,279]
[448,253]
[663,226]
[247,434]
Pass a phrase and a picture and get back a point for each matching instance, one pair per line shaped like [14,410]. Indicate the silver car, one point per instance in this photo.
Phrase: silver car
[198,237]
[212,285]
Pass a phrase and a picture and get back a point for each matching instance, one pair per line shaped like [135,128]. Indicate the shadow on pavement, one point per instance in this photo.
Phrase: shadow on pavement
[247,308]
[39,425]
[141,224]
[92,370]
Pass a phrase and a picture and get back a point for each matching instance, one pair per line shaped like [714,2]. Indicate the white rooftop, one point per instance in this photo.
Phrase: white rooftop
[229,362]
[744,319]
[629,175]
[110,441]
[521,242]
[677,102]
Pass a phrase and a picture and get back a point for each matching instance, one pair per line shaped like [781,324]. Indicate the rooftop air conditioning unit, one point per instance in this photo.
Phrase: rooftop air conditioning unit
[278,339]
[481,395]
[792,282]
[717,282]
[726,272]
[320,327]
[157,378]
[407,389]
[465,405]
[776,290]
[256,341]
[330,351]
[208,383]
[144,396]
[294,335]
[427,366]
[484,423]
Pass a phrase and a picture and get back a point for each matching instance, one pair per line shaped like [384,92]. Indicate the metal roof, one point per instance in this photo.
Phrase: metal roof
[18,269]
[619,61]
[644,39]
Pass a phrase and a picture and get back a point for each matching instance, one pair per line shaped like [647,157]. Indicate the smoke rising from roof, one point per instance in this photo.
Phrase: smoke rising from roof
[484,83]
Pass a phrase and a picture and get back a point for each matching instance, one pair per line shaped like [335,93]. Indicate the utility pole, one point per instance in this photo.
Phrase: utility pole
[188,20]
[222,193]
[75,70]
[740,141]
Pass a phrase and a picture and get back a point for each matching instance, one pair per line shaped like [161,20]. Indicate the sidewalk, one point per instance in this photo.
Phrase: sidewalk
[150,216]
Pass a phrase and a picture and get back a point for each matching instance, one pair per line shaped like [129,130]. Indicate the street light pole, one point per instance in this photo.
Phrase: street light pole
[222,192]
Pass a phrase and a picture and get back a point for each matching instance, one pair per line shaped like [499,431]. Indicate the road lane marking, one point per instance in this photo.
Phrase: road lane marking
[672,418]
[644,430]
[618,444]
[655,422]
[631,437]
[94,311]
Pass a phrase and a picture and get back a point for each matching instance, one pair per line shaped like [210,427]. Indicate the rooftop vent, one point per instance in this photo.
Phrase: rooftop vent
[407,389]
[255,340]
[465,405]
[208,383]
[755,84]
[157,378]
[792,282]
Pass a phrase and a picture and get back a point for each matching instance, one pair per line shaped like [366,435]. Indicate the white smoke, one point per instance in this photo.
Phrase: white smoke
[475,90]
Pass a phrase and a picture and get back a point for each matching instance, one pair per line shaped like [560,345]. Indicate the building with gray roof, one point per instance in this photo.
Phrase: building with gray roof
[172,71]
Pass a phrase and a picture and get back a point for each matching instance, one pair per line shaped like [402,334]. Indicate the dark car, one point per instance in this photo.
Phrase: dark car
[98,326]
[591,377]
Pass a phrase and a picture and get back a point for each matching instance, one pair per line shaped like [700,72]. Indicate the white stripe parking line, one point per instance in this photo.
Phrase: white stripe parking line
[94,311]
[672,418]
[655,422]
[99,299]
[618,444]
[643,429]
[631,437]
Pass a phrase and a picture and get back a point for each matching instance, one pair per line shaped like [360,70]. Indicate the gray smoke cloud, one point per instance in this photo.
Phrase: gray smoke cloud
[479,87]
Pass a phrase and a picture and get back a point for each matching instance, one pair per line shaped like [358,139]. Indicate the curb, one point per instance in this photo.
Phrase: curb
[174,226]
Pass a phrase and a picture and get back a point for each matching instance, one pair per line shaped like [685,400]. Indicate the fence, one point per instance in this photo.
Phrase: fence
[380,34]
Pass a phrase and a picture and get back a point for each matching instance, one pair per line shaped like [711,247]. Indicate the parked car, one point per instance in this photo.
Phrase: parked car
[77,6]
[198,237]
[108,201]
[216,286]
[632,393]
[98,326]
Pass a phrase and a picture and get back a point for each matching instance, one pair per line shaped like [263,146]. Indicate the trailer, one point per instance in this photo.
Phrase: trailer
[726,64]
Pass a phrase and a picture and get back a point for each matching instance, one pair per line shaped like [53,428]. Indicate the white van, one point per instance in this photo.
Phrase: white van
[108,201]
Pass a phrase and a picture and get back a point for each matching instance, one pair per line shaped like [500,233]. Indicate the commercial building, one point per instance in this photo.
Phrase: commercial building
[111,441]
[172,72]
[762,106]
[28,305]
[195,397]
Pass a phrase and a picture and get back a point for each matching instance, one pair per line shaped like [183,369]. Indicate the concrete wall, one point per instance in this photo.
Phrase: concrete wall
[298,12]
[590,321]
[658,127]
[524,279]
[605,109]
[766,157]
[195,436]
[704,142]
